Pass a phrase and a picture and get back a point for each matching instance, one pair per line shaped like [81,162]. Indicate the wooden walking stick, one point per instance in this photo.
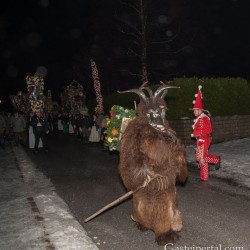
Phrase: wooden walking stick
[120,199]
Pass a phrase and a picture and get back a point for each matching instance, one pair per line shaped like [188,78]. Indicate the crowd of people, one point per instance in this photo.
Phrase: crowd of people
[30,129]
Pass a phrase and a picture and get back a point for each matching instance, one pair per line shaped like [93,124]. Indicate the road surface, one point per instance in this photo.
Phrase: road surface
[216,214]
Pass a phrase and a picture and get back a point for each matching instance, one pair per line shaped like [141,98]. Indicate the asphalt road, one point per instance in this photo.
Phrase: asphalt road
[216,214]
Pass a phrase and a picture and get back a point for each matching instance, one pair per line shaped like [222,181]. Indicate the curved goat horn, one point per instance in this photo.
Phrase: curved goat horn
[139,92]
[143,85]
[150,92]
[166,91]
[163,90]
[159,90]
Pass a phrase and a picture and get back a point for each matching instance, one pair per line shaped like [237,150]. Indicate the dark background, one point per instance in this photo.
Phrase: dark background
[58,38]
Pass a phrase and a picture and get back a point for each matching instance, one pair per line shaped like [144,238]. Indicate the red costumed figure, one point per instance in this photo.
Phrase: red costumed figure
[202,131]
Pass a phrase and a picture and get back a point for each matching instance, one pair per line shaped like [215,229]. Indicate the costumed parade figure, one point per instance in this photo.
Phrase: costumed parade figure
[202,131]
[35,88]
[152,159]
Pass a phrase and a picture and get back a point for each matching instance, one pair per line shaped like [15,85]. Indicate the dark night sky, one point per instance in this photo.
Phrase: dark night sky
[58,37]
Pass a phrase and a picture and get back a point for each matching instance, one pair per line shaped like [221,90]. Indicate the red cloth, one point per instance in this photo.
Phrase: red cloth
[198,100]
[202,130]
[202,127]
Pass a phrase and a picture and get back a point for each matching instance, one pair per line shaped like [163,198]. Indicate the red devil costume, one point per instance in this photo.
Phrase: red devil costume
[202,131]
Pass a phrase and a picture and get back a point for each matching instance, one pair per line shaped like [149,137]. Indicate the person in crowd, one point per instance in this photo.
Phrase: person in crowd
[18,123]
[202,132]
[65,122]
[55,122]
[50,121]
[31,136]
[8,130]
[71,123]
[29,129]
[99,120]
[78,121]
[103,139]
[94,134]
[59,122]
[86,126]
[40,128]
[2,129]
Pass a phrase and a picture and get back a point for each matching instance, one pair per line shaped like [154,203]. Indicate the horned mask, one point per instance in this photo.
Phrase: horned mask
[152,105]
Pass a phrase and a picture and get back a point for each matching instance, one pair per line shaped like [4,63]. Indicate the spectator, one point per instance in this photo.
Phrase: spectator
[31,137]
[55,122]
[8,129]
[65,122]
[103,138]
[59,122]
[78,125]
[86,126]
[18,123]
[50,121]
[71,123]
[2,130]
[40,128]
[94,135]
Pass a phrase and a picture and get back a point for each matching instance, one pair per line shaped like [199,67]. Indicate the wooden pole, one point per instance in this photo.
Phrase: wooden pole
[120,199]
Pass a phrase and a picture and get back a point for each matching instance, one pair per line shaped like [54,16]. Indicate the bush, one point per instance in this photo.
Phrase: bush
[221,96]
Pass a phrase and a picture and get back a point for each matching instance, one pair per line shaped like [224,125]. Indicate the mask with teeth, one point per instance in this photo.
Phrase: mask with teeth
[152,107]
[156,118]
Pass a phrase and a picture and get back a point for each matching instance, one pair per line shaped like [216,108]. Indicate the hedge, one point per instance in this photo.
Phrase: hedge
[221,96]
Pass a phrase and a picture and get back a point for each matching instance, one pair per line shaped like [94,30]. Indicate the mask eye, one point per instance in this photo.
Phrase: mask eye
[148,115]
[155,115]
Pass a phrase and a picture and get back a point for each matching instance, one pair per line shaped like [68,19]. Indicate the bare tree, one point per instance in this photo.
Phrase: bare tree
[154,34]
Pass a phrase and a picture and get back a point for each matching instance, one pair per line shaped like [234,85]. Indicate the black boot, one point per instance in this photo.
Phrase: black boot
[217,166]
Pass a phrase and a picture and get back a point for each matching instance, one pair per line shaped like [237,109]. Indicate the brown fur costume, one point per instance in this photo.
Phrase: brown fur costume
[149,147]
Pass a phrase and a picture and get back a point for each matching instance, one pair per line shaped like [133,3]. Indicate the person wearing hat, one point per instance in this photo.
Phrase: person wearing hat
[40,129]
[202,132]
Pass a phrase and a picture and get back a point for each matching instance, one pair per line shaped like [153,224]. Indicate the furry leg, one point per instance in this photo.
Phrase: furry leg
[141,227]
[167,237]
